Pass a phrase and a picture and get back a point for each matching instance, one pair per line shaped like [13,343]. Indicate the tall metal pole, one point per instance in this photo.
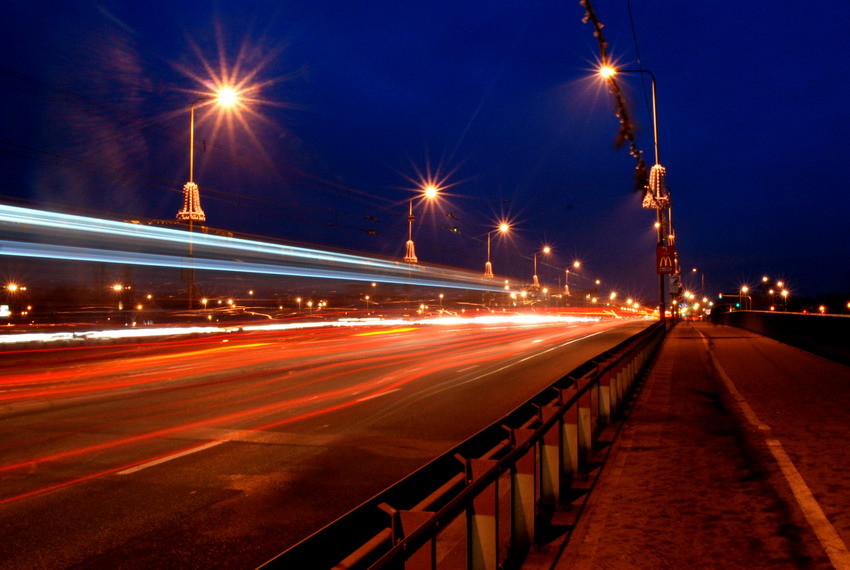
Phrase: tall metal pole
[662,304]
[488,267]
[192,141]
[410,252]
[190,284]
[191,202]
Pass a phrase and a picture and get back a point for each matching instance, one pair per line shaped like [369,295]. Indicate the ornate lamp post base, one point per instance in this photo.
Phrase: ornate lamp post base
[410,253]
[488,270]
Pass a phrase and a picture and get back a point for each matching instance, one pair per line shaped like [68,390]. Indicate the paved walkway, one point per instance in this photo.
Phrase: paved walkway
[734,456]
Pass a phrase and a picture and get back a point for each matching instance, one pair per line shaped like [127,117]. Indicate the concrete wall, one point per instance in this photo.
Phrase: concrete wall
[824,335]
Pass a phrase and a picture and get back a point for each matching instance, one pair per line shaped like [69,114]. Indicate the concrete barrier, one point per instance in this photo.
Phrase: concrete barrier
[824,335]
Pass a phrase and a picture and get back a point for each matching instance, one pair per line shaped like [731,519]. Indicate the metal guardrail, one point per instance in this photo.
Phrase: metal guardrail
[484,504]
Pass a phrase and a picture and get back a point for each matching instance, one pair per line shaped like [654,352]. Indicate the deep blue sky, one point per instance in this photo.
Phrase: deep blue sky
[497,96]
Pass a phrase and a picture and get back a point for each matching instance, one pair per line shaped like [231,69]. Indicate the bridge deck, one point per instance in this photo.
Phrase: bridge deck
[734,455]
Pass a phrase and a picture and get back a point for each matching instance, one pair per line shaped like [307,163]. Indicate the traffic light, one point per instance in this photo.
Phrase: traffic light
[720,296]
[737,305]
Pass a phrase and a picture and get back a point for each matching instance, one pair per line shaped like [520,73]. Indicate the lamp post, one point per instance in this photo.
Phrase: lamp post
[536,282]
[191,211]
[488,267]
[430,192]
[702,278]
[657,197]
[576,265]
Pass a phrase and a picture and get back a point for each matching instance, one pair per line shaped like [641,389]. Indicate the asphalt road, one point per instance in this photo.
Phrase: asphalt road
[222,451]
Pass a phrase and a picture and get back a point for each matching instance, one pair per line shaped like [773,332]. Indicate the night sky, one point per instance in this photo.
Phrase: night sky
[351,103]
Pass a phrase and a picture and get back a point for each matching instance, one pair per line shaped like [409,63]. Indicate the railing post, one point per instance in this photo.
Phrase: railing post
[424,557]
[523,493]
[620,383]
[585,425]
[482,520]
[606,396]
[550,462]
[569,434]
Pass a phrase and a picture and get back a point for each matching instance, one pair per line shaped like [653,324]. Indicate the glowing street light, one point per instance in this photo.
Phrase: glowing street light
[535,282]
[576,265]
[607,72]
[747,299]
[503,228]
[191,211]
[430,192]
[657,196]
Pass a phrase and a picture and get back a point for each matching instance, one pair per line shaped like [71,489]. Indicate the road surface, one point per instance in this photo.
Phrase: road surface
[221,451]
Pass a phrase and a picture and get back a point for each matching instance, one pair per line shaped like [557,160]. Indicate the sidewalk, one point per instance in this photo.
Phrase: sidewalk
[702,473]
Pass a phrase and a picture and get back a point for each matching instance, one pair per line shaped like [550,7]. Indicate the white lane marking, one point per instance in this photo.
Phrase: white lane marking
[467,368]
[829,538]
[506,366]
[373,396]
[169,457]
[736,395]
[826,533]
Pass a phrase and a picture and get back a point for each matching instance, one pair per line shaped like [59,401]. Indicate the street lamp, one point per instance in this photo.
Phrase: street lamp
[503,228]
[535,282]
[191,211]
[430,192]
[657,196]
[576,265]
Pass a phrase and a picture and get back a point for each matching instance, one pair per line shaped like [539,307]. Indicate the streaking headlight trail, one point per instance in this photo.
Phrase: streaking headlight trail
[404,324]
[48,235]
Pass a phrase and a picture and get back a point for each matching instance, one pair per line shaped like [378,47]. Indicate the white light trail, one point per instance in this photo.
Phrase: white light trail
[132,332]
[48,235]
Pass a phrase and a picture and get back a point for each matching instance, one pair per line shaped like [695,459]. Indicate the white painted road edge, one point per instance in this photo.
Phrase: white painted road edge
[170,457]
[829,538]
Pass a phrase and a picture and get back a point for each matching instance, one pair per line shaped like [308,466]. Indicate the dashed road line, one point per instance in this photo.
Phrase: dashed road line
[169,457]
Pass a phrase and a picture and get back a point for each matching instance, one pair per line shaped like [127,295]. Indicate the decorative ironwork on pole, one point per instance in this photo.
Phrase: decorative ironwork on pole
[191,204]
[488,267]
[656,196]
[410,253]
